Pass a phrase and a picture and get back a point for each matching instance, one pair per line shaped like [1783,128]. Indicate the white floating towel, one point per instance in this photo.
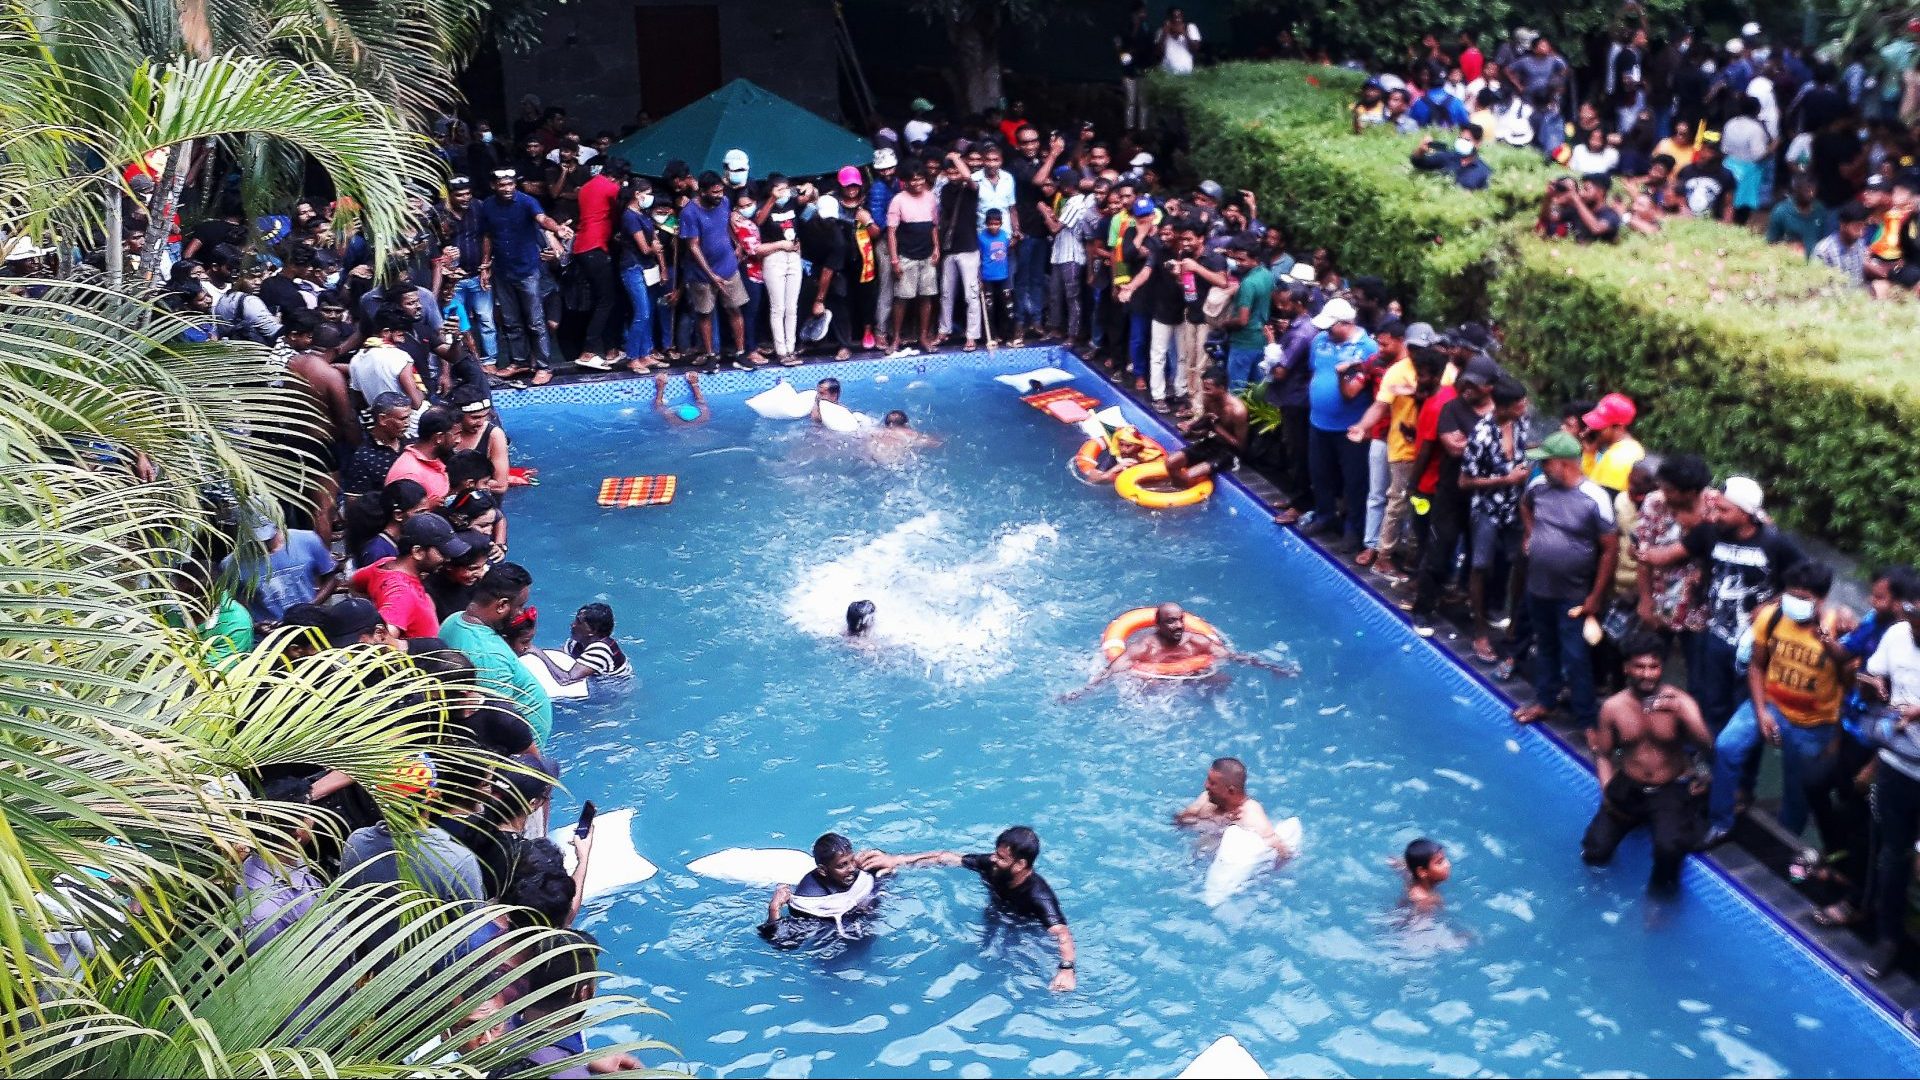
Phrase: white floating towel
[1241,853]
[1045,376]
[1111,417]
[614,864]
[1226,1059]
[569,692]
[755,866]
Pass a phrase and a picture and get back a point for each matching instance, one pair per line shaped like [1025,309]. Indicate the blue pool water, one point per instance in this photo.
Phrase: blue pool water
[995,571]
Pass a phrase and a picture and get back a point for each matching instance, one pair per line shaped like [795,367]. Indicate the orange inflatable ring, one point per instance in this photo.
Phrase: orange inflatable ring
[1128,485]
[1088,459]
[1114,642]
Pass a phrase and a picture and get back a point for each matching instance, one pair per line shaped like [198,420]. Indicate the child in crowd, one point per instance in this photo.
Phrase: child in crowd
[470,505]
[1427,869]
[995,244]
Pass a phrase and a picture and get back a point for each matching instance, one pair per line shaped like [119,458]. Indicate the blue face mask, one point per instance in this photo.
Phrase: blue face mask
[486,136]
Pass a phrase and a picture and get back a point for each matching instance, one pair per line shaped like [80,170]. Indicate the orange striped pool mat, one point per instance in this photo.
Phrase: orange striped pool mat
[624,491]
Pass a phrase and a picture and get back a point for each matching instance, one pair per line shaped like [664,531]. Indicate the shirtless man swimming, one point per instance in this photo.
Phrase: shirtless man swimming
[681,415]
[1219,434]
[1225,800]
[1640,753]
[1170,643]
[896,439]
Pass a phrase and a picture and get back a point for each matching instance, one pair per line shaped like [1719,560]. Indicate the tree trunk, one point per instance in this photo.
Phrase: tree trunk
[160,207]
[975,34]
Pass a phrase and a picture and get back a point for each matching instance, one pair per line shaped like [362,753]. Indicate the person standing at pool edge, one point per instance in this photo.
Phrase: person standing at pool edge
[1640,756]
[1010,877]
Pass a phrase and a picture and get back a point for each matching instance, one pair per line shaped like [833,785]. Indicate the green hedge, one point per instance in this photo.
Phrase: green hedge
[1734,349]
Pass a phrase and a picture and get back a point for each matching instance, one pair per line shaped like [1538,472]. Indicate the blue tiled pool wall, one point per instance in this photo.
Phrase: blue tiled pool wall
[1700,880]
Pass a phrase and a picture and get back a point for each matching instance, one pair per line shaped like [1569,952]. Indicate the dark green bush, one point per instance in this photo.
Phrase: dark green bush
[1734,349]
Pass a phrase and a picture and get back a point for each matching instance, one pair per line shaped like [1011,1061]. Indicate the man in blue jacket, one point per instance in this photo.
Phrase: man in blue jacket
[1437,108]
[1462,161]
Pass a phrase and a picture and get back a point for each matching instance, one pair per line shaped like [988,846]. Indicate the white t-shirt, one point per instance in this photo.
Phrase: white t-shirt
[916,131]
[1760,89]
[1899,660]
[1585,162]
[1176,53]
[379,369]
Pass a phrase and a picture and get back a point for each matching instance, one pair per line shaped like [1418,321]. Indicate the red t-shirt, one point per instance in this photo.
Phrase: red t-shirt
[595,226]
[400,597]
[1426,430]
[431,473]
[1472,63]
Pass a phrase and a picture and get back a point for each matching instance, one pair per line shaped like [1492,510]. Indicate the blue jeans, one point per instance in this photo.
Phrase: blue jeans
[640,337]
[1560,657]
[1139,342]
[1096,322]
[1030,272]
[1803,764]
[523,321]
[1339,468]
[1713,681]
[1240,364]
[479,305]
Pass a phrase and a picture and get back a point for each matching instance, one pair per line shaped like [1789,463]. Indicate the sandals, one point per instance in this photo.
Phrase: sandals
[1838,916]
[1483,651]
[1365,558]
[790,360]
[541,377]
[968,347]
[1530,714]
[594,362]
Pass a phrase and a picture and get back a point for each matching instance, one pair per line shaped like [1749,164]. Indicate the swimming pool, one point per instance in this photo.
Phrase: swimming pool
[994,571]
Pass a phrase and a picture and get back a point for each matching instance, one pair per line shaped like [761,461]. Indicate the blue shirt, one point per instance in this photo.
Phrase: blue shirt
[993,255]
[290,575]
[1437,107]
[1327,409]
[514,226]
[713,231]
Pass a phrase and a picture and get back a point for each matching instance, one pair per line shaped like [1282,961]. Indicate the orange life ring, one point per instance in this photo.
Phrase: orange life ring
[1114,642]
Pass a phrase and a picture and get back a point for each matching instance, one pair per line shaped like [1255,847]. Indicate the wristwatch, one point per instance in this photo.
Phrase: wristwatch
[1066,965]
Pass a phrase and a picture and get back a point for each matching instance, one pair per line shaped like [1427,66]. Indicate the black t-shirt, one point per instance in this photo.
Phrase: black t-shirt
[448,595]
[1168,302]
[959,219]
[1194,290]
[1831,151]
[1609,220]
[497,852]
[1456,418]
[367,469]
[1031,899]
[781,223]
[281,295]
[212,234]
[1706,188]
[1741,574]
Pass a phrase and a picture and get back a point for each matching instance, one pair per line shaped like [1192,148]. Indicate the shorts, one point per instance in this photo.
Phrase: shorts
[1490,537]
[1902,273]
[1213,450]
[915,280]
[733,294]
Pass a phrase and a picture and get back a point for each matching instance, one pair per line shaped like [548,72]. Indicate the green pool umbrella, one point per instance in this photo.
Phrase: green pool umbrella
[777,135]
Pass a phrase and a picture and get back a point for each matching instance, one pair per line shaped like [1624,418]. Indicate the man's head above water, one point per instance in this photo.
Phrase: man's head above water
[1170,623]
[833,860]
[829,389]
[859,617]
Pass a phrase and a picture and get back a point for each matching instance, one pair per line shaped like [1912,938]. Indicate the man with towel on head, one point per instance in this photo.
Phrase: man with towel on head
[835,888]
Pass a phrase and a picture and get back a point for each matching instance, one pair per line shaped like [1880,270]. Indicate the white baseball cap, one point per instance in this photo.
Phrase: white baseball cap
[1303,273]
[883,158]
[1744,492]
[1751,29]
[1141,160]
[1336,310]
[1735,46]
[736,162]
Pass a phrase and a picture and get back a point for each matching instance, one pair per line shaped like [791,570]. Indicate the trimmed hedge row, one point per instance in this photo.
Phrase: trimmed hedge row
[1733,348]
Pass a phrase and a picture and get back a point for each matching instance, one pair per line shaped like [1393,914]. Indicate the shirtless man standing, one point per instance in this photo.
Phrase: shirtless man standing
[1640,752]
[1225,800]
[1219,434]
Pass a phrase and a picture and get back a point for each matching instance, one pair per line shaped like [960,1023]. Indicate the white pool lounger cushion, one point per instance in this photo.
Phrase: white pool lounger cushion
[1045,376]
[782,402]
[1226,1059]
[755,866]
[1241,853]
[614,864]
[837,417]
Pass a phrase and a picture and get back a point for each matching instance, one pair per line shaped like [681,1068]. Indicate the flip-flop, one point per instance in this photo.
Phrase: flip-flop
[1483,652]
[1365,558]
[516,384]
[594,363]
[541,377]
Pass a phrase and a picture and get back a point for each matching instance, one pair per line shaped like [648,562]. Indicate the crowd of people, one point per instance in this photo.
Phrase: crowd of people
[1407,446]
[1820,151]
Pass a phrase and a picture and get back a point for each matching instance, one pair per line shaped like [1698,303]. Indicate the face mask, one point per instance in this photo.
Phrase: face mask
[486,136]
[1797,608]
[1463,147]
[661,218]
[747,209]
[646,201]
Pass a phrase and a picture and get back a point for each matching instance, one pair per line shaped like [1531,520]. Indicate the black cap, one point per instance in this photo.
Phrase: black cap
[432,530]
[460,183]
[1480,368]
[348,620]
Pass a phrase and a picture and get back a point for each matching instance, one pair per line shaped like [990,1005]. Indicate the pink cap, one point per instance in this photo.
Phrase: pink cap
[849,174]
[1614,410]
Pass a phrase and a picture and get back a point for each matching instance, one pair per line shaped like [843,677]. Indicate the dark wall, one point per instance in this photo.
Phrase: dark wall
[591,56]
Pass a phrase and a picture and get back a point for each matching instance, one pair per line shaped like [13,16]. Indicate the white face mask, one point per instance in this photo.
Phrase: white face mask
[1463,147]
[486,136]
[1797,608]
[746,209]
[646,201]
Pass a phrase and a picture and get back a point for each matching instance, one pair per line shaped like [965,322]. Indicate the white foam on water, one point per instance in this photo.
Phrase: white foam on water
[936,596]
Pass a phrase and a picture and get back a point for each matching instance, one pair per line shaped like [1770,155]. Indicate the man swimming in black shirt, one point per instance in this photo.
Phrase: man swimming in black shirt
[1009,875]
[836,889]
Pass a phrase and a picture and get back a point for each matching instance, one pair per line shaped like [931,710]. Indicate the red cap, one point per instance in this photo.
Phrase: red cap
[1614,410]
